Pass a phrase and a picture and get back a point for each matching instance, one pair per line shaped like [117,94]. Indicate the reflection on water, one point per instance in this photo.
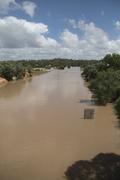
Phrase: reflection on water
[14,88]
[87,101]
[42,130]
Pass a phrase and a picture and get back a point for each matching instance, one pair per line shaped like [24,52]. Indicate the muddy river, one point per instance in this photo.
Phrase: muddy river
[43,130]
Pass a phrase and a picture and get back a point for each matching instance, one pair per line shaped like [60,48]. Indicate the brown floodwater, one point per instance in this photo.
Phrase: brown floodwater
[42,130]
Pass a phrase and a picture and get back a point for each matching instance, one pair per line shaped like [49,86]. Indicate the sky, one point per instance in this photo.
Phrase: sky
[46,29]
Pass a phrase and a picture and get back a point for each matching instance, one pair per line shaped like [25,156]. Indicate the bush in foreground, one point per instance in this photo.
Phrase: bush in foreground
[101,167]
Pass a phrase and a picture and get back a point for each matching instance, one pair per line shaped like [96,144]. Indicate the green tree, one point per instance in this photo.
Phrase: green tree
[90,72]
[106,86]
[7,71]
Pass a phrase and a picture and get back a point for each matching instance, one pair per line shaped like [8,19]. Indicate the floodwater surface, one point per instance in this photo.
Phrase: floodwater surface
[42,129]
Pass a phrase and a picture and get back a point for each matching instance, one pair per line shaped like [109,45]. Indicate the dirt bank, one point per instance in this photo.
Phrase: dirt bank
[2,81]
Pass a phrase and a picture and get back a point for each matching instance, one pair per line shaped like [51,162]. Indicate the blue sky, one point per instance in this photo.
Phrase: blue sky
[55,13]
[78,29]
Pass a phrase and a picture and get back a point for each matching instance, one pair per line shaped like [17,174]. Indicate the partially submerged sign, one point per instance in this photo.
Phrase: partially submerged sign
[89,113]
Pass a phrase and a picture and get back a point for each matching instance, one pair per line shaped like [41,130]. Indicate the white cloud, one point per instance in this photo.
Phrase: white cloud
[29,7]
[117,24]
[73,23]
[21,39]
[69,39]
[95,36]
[19,33]
[5,5]
[28,53]
[94,42]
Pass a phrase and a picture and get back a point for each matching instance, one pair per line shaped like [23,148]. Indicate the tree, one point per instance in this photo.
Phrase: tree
[7,71]
[90,72]
[19,71]
[106,86]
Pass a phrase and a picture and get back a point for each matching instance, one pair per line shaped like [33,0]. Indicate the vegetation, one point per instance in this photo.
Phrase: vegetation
[104,80]
[101,167]
[20,69]
[12,69]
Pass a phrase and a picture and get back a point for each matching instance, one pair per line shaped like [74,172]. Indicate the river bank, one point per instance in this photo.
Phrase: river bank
[27,76]
[3,82]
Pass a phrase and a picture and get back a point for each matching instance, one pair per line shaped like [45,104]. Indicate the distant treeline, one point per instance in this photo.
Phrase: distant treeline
[104,80]
[19,69]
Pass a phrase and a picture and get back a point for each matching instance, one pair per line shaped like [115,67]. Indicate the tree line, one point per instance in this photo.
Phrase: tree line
[19,69]
[104,80]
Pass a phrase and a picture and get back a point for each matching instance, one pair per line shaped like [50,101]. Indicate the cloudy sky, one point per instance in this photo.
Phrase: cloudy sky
[78,29]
